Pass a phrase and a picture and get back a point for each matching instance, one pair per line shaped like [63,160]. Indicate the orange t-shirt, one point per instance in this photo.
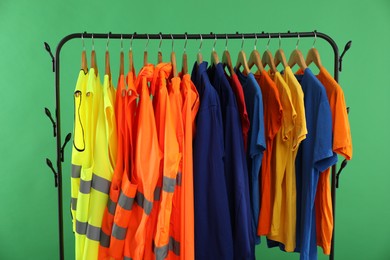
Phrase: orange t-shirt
[342,144]
[273,114]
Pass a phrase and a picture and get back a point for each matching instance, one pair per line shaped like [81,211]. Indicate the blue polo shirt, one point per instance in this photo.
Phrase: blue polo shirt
[236,170]
[256,142]
[213,233]
[314,156]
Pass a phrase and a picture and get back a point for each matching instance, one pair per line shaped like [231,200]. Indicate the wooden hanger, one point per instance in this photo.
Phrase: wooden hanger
[131,62]
[184,68]
[146,52]
[84,62]
[279,55]
[199,57]
[296,57]
[121,60]
[173,61]
[107,59]
[159,53]
[214,60]
[241,59]
[255,59]
[267,58]
[226,59]
[93,58]
[313,55]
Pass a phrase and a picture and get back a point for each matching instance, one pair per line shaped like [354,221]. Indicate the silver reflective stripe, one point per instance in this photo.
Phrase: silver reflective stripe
[169,184]
[174,246]
[74,203]
[127,258]
[161,252]
[76,171]
[125,202]
[178,179]
[92,232]
[119,232]
[104,240]
[101,184]
[157,193]
[144,203]
[85,186]
[111,206]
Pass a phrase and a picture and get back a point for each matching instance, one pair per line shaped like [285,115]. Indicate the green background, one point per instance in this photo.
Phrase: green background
[28,214]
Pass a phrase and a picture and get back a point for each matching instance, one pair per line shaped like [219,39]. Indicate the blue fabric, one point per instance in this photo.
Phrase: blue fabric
[236,170]
[314,156]
[256,142]
[213,235]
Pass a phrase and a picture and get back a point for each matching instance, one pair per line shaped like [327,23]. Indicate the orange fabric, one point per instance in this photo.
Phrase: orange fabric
[273,113]
[108,217]
[342,144]
[189,110]
[147,156]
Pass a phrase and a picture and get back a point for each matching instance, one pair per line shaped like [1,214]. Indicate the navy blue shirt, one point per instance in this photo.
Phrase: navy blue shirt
[213,235]
[256,142]
[236,171]
[314,156]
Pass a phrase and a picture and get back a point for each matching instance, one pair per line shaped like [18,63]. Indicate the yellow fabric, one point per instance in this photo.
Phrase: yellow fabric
[281,153]
[78,147]
[287,222]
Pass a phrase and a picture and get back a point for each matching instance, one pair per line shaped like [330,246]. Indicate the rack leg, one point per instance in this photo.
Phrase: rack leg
[333,190]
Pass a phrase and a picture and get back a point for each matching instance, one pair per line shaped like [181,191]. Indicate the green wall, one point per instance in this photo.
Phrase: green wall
[28,218]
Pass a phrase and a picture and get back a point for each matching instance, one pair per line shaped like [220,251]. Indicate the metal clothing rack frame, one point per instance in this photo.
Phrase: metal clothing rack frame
[56,122]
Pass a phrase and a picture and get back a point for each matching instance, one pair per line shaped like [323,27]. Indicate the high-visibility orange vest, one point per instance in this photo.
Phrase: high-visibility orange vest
[108,218]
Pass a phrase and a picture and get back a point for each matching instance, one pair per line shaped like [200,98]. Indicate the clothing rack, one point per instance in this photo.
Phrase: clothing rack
[56,122]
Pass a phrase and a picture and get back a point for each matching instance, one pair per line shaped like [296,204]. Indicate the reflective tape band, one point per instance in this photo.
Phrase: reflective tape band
[73,203]
[104,240]
[97,183]
[76,171]
[169,184]
[101,184]
[127,258]
[161,252]
[174,246]
[85,186]
[111,206]
[157,193]
[144,203]
[92,232]
[125,202]
[178,179]
[119,232]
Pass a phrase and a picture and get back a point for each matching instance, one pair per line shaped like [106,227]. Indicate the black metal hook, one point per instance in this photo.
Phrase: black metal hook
[48,49]
[48,114]
[343,164]
[67,139]
[346,48]
[50,164]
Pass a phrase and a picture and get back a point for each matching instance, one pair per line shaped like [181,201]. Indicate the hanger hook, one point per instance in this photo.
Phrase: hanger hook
[269,40]
[82,39]
[215,41]
[280,41]
[255,47]
[93,43]
[172,41]
[242,42]
[296,46]
[131,42]
[315,38]
[147,42]
[185,43]
[159,45]
[201,42]
[122,42]
[226,43]
[108,41]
